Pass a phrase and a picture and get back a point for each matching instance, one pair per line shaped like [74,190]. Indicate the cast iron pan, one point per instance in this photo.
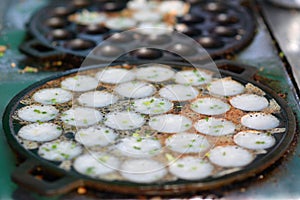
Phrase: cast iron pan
[57,181]
[222,28]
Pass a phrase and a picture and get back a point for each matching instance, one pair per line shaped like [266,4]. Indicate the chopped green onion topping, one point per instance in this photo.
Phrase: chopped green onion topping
[137,148]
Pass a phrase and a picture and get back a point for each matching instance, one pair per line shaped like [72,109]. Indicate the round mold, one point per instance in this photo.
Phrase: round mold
[108,51]
[113,6]
[182,49]
[190,19]
[119,38]
[62,11]
[147,53]
[79,44]
[92,29]
[214,7]
[81,3]
[210,42]
[60,34]
[187,30]
[225,31]
[158,39]
[226,19]
[56,22]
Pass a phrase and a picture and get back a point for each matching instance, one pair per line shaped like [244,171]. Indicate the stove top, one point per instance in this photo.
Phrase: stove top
[286,30]
[280,182]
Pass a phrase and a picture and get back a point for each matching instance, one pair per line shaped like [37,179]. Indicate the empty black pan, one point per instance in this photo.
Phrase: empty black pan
[222,28]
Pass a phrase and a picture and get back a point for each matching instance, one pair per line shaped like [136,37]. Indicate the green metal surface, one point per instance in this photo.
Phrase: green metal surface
[283,182]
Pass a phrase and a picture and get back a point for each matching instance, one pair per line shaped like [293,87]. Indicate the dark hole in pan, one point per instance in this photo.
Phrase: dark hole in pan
[224,19]
[108,50]
[62,11]
[187,30]
[92,29]
[190,19]
[60,34]
[79,44]
[41,48]
[147,53]
[158,39]
[56,22]
[183,49]
[225,31]
[119,38]
[81,3]
[113,6]
[210,42]
[214,7]
[193,1]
